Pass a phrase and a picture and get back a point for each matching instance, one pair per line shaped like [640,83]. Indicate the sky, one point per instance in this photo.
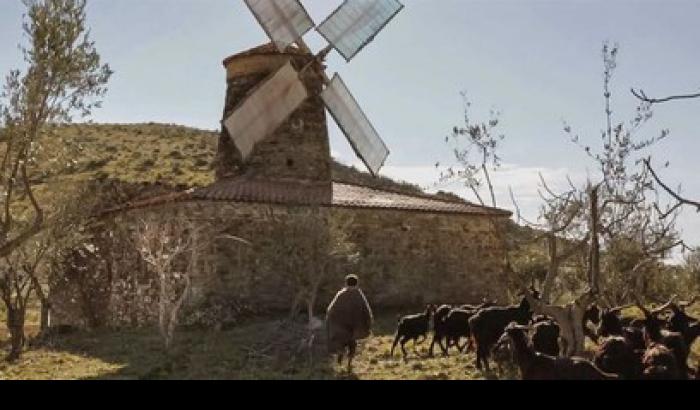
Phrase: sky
[537,62]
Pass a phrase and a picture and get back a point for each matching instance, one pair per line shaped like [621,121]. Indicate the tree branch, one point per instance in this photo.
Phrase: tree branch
[671,192]
[643,97]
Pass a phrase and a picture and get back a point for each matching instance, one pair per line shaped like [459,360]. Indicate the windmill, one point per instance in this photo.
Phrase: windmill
[352,26]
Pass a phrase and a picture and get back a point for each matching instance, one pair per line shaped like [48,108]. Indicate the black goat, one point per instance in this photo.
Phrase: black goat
[413,327]
[684,324]
[453,324]
[457,326]
[612,325]
[660,364]
[616,355]
[440,335]
[655,334]
[545,337]
[537,366]
[488,324]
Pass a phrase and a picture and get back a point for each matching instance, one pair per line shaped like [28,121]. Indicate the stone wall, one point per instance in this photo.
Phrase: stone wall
[406,258]
[410,258]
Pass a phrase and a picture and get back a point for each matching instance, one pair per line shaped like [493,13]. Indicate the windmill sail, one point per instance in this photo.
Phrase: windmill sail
[356,22]
[266,109]
[284,21]
[354,123]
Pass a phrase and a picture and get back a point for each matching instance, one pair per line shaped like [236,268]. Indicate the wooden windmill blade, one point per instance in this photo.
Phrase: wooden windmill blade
[355,23]
[265,109]
[348,29]
[363,138]
[284,21]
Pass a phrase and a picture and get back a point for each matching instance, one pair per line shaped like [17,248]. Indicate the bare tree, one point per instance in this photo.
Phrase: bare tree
[471,140]
[63,77]
[615,205]
[171,249]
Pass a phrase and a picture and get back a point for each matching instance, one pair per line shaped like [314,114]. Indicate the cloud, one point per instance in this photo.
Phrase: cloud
[525,182]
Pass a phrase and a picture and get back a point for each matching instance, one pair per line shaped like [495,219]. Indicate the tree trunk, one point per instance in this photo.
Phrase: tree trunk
[175,311]
[594,255]
[570,320]
[45,305]
[135,297]
[553,270]
[45,316]
[15,324]
[162,306]
[295,306]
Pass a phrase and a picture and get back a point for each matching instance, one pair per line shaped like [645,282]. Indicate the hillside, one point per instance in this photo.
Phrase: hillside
[170,155]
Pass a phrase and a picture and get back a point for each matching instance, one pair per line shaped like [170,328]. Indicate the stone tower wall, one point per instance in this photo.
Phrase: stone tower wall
[300,148]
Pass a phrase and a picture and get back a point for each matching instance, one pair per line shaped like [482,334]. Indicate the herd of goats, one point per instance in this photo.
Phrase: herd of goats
[656,347]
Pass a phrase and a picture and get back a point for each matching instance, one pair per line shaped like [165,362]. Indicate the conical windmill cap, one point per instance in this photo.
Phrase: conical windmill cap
[266,49]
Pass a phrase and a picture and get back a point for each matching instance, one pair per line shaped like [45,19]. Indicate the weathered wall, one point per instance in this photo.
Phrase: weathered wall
[406,259]
[410,258]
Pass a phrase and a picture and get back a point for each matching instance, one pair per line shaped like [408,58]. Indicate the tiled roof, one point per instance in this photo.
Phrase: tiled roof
[355,196]
[243,189]
[295,192]
[343,195]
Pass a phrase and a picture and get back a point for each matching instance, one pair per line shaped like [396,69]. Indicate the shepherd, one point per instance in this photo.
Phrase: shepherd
[348,319]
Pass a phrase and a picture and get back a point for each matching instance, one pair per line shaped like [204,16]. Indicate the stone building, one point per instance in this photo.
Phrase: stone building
[413,248]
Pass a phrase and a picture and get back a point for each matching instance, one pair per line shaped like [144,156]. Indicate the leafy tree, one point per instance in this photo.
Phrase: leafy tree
[63,78]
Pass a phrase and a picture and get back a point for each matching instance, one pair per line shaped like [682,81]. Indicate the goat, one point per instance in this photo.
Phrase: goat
[486,303]
[456,325]
[545,337]
[612,325]
[592,315]
[654,334]
[439,335]
[540,318]
[682,323]
[413,327]
[502,354]
[487,326]
[537,366]
[616,355]
[660,364]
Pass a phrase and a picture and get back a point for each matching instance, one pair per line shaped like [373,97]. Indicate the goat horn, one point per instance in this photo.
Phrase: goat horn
[621,308]
[639,305]
[691,302]
[664,306]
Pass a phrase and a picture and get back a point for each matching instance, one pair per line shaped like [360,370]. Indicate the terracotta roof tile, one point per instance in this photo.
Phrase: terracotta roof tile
[268,191]
[295,192]
[355,196]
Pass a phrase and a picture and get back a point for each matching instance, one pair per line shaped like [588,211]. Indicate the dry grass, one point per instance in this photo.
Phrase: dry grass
[234,354]
[146,153]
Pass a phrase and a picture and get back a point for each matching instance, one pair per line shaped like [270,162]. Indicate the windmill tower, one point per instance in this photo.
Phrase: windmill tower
[274,118]
[299,148]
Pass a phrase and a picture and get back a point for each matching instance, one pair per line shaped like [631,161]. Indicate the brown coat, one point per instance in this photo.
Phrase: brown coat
[348,318]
